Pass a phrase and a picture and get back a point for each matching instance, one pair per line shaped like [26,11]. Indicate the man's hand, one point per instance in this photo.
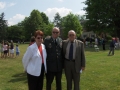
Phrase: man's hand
[83,68]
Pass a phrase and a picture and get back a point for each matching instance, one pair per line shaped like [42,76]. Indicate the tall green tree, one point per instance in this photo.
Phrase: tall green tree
[3,26]
[57,20]
[71,22]
[45,18]
[32,23]
[103,16]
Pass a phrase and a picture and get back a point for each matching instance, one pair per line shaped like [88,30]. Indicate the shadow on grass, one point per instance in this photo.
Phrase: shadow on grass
[19,77]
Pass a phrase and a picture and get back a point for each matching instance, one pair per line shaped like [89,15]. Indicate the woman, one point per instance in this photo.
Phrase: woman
[34,62]
[5,46]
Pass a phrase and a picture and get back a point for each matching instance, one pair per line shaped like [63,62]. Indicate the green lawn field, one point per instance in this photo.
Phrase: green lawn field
[102,72]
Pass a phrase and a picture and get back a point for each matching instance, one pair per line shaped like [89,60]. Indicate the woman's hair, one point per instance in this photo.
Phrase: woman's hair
[38,32]
[32,39]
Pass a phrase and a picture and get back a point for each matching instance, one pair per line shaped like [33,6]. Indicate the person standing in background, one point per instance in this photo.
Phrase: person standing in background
[17,50]
[2,49]
[103,43]
[32,40]
[112,46]
[12,49]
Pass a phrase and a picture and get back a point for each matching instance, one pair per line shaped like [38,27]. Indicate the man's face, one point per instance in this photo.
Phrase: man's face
[71,36]
[55,33]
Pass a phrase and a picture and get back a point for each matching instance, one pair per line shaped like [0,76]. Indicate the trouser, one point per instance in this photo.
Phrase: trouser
[111,50]
[50,76]
[72,75]
[36,82]
[103,46]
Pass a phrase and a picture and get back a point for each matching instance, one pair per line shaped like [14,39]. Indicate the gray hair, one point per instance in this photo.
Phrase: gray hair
[72,31]
[56,28]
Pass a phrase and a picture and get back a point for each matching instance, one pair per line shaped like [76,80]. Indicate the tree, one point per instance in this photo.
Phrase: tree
[71,22]
[82,20]
[32,23]
[45,18]
[15,33]
[3,26]
[103,16]
[57,20]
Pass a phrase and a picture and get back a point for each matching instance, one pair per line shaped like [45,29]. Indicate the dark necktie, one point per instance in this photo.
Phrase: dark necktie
[71,52]
[55,42]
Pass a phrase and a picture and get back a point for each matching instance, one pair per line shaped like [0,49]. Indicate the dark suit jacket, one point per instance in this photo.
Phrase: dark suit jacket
[79,56]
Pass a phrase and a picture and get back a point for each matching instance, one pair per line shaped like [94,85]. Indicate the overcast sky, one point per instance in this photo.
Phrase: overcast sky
[16,10]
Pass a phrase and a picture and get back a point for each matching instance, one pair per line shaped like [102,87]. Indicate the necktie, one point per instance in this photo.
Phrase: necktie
[55,42]
[71,52]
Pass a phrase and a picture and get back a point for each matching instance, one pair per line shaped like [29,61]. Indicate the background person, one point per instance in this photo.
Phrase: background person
[2,50]
[54,59]
[74,60]
[32,40]
[112,46]
[12,49]
[5,48]
[34,62]
[17,50]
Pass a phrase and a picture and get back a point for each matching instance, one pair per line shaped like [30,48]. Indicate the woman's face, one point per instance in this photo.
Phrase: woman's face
[39,39]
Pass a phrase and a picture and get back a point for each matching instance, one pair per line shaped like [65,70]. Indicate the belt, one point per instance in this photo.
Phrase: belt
[72,60]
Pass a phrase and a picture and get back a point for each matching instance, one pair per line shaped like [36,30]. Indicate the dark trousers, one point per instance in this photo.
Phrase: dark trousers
[36,82]
[50,76]
[72,75]
[103,46]
[111,50]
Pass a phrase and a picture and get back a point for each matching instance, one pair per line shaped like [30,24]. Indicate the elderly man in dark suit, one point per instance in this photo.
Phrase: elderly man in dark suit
[74,60]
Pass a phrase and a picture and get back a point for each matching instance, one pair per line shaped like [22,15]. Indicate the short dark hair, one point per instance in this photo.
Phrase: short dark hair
[38,32]
[32,39]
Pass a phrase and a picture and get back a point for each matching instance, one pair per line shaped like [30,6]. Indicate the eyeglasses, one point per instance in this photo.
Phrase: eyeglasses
[55,32]
[71,35]
[39,37]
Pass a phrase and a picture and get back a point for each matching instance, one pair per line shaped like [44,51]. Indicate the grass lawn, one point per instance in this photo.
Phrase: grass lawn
[102,72]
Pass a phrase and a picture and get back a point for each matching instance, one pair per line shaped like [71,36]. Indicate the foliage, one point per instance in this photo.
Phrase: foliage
[71,22]
[3,26]
[57,20]
[15,33]
[32,23]
[103,16]
[36,21]
[45,18]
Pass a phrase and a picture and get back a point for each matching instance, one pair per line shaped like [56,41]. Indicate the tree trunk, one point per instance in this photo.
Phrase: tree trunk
[118,32]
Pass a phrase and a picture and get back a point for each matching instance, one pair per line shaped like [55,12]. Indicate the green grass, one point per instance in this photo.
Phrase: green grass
[102,72]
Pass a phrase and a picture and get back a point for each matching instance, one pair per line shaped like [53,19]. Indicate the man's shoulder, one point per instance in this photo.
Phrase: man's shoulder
[64,41]
[48,38]
[79,41]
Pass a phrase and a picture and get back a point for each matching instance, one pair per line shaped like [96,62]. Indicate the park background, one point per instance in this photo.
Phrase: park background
[102,17]
[101,73]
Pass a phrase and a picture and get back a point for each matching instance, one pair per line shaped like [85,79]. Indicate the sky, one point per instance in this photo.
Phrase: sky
[16,10]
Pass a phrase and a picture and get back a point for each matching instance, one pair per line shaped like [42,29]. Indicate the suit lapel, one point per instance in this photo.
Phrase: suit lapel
[76,43]
[65,45]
